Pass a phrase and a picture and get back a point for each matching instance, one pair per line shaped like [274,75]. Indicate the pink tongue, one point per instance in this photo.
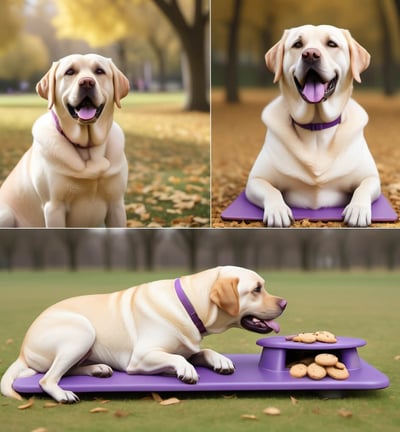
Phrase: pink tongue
[274,326]
[314,91]
[86,113]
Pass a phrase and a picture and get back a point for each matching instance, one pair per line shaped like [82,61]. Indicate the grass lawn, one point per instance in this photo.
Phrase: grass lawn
[168,151]
[364,305]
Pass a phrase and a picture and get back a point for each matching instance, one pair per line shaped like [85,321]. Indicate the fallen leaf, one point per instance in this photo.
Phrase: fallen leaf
[27,405]
[248,417]
[51,405]
[120,413]
[40,429]
[397,357]
[170,401]
[98,410]
[156,397]
[294,400]
[9,341]
[345,413]
[272,411]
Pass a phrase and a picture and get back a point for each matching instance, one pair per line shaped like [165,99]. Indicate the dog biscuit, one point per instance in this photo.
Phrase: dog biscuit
[298,370]
[325,336]
[311,337]
[336,373]
[326,359]
[316,372]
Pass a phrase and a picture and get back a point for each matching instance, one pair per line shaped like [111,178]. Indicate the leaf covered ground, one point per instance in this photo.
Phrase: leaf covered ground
[168,152]
[238,135]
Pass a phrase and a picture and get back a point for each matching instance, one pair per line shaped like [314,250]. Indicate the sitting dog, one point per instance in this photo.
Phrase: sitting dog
[315,154]
[75,173]
[148,329]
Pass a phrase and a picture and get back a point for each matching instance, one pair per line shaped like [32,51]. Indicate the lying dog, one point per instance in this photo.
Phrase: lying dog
[75,173]
[144,330]
[315,154]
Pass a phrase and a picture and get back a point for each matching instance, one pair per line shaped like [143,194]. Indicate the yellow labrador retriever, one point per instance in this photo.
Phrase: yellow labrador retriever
[148,329]
[75,173]
[315,154]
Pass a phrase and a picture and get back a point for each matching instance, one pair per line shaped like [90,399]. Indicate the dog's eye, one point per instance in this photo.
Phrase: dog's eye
[332,44]
[99,71]
[70,71]
[257,289]
[298,44]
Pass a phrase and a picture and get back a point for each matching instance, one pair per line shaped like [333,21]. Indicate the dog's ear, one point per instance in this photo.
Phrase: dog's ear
[121,84]
[359,56]
[46,87]
[274,57]
[225,295]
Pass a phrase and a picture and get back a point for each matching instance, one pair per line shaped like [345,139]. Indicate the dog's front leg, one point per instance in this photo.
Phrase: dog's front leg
[263,194]
[213,360]
[157,362]
[358,212]
[54,214]
[116,215]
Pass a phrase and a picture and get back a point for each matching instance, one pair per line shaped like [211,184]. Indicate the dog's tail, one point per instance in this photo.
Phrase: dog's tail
[17,369]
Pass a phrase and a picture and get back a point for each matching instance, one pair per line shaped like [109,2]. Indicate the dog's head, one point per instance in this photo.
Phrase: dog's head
[240,293]
[315,65]
[83,89]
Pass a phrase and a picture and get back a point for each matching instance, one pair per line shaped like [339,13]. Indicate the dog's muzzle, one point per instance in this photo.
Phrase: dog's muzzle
[314,88]
[86,111]
[258,325]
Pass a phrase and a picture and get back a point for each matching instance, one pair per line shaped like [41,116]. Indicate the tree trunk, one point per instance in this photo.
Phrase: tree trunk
[192,38]
[232,64]
[389,22]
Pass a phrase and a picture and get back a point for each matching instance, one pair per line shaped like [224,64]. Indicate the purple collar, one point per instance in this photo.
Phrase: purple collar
[189,307]
[59,129]
[318,126]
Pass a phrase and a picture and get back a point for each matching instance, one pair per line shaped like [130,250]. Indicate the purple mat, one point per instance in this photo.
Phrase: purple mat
[242,209]
[252,373]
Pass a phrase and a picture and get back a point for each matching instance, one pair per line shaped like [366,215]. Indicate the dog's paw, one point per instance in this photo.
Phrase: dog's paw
[213,360]
[279,215]
[101,371]
[357,215]
[224,366]
[68,397]
[187,373]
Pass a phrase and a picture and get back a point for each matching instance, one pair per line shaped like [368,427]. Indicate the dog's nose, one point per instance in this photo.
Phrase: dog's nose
[282,304]
[87,82]
[311,55]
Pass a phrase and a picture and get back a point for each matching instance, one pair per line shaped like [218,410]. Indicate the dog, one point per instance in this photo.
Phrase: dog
[75,173]
[315,154]
[144,329]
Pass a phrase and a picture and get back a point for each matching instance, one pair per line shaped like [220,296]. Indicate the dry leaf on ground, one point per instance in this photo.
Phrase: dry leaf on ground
[345,413]
[248,417]
[99,410]
[170,401]
[272,411]
[26,405]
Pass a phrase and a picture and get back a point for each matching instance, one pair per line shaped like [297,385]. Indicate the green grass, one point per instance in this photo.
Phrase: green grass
[168,152]
[357,304]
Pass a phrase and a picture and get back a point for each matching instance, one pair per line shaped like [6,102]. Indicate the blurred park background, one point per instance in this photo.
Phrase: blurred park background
[243,31]
[163,48]
[194,250]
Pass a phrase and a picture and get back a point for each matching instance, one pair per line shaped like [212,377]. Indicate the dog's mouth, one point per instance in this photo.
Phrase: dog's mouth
[315,89]
[86,111]
[254,324]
